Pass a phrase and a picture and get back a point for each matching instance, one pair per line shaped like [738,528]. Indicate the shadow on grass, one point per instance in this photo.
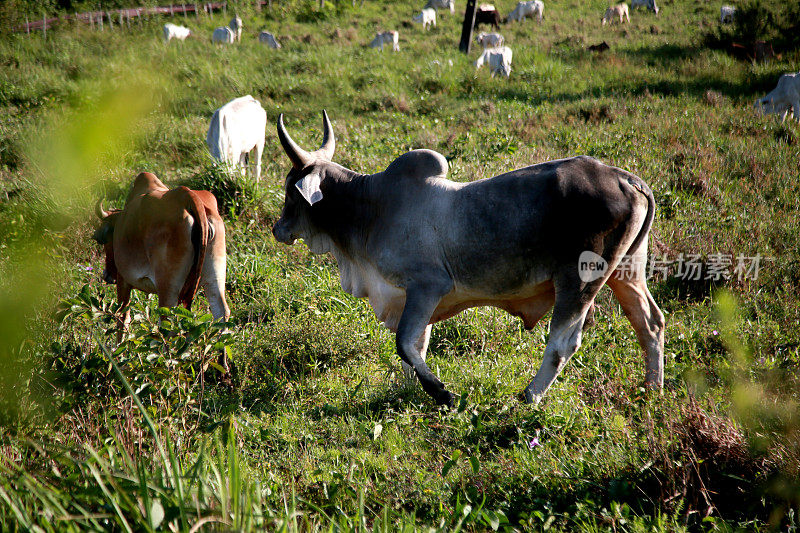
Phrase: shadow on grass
[668,57]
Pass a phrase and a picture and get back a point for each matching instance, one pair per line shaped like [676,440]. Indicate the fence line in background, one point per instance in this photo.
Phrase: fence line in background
[97,17]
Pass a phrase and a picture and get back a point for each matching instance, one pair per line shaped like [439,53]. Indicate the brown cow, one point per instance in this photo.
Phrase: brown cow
[165,242]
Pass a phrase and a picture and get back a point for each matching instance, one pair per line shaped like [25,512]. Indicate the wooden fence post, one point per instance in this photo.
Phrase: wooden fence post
[27,26]
[466,28]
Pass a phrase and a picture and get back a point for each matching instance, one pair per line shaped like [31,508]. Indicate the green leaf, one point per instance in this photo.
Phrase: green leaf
[446,468]
[476,465]
[492,519]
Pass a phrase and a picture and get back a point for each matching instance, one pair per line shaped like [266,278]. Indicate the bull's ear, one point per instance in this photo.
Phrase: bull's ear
[309,188]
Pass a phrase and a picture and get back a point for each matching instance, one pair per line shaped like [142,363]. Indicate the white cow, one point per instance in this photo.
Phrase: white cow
[527,9]
[236,27]
[726,14]
[442,4]
[619,11]
[427,17]
[223,34]
[268,39]
[172,31]
[784,98]
[387,38]
[649,4]
[236,128]
[489,40]
[498,59]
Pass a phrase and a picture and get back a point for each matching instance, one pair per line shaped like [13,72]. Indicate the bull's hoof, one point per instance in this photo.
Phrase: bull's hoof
[446,398]
[531,398]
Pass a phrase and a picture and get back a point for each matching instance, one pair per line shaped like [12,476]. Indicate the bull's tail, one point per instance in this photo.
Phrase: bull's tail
[642,187]
[200,236]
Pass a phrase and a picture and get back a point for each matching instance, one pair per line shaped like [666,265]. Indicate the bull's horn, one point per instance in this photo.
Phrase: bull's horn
[98,208]
[299,157]
[328,142]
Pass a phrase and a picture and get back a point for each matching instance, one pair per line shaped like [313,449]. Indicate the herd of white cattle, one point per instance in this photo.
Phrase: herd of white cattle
[495,54]
[224,34]
[238,127]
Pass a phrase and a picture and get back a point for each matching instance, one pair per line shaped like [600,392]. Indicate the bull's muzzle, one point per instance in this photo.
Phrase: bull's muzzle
[282,234]
[107,277]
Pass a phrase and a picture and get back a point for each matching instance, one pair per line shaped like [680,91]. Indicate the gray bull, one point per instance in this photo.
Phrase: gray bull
[423,248]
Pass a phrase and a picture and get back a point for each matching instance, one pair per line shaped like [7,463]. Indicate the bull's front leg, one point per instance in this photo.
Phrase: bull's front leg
[421,301]
[124,299]
[421,347]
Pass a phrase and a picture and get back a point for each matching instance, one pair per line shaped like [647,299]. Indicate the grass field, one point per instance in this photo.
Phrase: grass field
[321,431]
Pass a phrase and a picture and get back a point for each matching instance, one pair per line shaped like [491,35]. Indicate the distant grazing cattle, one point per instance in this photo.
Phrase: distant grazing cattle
[784,98]
[726,14]
[167,242]
[489,40]
[533,8]
[763,51]
[236,27]
[602,47]
[617,12]
[223,34]
[498,59]
[442,4]
[237,128]
[386,38]
[487,14]
[267,38]
[649,4]
[172,31]
[423,248]
[426,17]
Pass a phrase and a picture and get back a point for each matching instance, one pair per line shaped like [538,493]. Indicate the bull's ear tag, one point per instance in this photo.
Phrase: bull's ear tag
[309,188]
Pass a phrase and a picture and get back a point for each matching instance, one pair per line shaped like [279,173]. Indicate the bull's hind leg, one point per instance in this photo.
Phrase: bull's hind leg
[573,301]
[647,321]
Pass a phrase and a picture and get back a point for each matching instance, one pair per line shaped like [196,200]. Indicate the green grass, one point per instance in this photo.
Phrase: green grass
[321,431]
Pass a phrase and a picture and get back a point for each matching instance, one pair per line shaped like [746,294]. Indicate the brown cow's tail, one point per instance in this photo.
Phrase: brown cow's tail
[200,232]
[642,187]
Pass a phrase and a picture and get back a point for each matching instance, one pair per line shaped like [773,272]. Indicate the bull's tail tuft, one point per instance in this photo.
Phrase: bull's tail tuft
[200,238]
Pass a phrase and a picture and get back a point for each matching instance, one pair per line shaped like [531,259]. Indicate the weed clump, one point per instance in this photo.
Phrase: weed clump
[595,114]
[706,466]
[234,194]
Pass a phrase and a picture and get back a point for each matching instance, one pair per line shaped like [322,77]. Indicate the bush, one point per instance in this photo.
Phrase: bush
[776,23]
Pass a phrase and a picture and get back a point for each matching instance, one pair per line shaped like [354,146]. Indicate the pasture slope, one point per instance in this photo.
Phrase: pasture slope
[320,432]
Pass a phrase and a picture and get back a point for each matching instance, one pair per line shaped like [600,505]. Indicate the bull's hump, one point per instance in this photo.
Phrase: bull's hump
[418,164]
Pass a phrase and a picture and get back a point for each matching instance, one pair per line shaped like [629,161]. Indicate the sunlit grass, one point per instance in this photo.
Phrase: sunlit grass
[297,446]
